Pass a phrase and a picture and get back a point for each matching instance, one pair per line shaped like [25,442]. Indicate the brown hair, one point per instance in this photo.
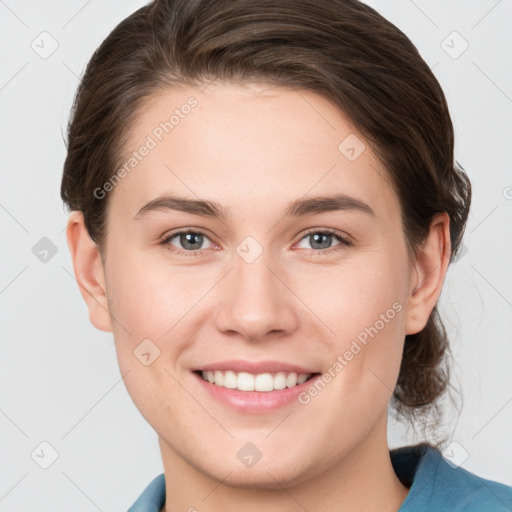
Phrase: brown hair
[341,49]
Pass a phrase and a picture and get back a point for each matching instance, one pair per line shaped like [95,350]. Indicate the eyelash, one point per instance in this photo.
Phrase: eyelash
[344,241]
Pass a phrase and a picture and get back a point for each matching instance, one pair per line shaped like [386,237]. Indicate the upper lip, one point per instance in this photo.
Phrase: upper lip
[238,365]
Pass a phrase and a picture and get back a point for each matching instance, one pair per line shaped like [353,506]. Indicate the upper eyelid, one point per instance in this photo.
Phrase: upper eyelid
[331,231]
[345,238]
[168,236]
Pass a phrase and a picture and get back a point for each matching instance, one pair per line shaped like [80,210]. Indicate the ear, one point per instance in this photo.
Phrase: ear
[89,271]
[430,268]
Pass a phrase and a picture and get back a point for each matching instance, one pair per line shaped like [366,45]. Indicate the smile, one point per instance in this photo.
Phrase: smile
[263,382]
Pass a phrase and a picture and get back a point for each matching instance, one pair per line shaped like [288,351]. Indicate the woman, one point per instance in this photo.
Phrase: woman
[265,203]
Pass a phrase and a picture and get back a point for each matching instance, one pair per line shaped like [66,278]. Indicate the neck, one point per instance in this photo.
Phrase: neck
[362,480]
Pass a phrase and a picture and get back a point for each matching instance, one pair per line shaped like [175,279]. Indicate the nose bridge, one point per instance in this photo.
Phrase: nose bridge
[256,301]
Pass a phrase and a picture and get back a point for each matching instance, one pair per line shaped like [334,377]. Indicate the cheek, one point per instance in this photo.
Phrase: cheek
[146,308]
[351,299]
[151,299]
[363,306]
[150,308]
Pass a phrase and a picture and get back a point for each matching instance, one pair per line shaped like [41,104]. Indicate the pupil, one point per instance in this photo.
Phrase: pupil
[323,239]
[318,236]
[188,239]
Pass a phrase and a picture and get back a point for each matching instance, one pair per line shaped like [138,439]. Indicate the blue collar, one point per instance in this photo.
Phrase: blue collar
[435,483]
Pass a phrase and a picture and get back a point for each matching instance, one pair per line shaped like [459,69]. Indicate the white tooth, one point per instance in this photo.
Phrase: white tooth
[245,382]
[303,377]
[219,378]
[230,380]
[280,380]
[264,382]
[291,380]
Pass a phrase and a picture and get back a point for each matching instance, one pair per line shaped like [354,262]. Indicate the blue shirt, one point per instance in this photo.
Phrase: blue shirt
[435,484]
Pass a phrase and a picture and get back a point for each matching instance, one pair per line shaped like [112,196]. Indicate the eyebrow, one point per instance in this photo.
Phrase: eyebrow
[297,208]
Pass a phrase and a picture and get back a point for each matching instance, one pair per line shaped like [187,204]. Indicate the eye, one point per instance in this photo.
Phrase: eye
[321,240]
[190,241]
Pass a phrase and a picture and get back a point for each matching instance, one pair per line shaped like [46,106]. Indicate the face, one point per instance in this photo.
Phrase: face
[278,282]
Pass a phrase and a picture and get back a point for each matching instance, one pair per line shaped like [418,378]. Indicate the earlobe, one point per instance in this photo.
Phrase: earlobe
[430,269]
[89,271]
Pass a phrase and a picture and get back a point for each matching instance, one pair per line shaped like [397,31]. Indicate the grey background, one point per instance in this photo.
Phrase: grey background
[59,379]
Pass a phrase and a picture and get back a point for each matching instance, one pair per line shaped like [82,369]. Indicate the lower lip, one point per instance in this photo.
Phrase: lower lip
[255,401]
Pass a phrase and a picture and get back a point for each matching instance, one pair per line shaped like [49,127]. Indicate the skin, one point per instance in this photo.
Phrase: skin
[254,149]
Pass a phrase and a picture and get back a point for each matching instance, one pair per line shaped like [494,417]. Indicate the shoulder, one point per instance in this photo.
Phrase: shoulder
[152,498]
[440,484]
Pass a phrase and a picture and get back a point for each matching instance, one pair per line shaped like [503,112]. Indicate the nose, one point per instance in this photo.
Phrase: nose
[256,301]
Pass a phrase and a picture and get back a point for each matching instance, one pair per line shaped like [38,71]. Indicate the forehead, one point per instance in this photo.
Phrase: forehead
[248,147]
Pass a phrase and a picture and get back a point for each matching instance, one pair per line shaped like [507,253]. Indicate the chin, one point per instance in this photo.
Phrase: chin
[265,474]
